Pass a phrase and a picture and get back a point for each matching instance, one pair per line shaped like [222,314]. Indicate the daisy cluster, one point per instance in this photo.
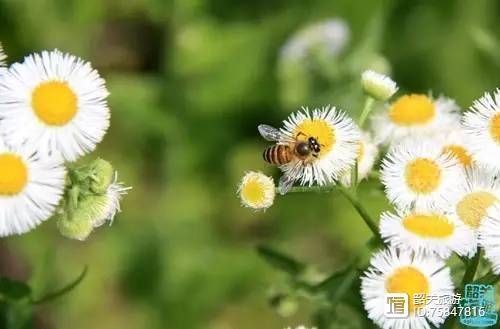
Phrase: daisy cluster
[441,174]
[440,171]
[53,111]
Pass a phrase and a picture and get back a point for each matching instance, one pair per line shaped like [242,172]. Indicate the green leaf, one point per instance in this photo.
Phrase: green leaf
[489,278]
[16,315]
[13,290]
[280,261]
[56,294]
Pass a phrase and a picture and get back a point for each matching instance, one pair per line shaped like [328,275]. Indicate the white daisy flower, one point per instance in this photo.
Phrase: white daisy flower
[3,57]
[412,274]
[414,116]
[338,139]
[331,36]
[489,235]
[31,187]
[300,327]
[480,191]
[416,173]
[257,191]
[377,85]
[482,128]
[366,156]
[56,102]
[455,143]
[430,232]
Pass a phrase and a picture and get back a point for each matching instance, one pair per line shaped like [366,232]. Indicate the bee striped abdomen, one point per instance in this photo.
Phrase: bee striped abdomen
[278,154]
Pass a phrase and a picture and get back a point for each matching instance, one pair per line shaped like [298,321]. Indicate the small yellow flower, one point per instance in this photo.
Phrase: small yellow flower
[256,191]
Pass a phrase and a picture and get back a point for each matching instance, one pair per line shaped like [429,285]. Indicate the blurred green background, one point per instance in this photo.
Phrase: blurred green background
[190,80]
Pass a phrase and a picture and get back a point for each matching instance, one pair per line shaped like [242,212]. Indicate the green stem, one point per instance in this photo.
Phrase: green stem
[361,211]
[354,178]
[56,294]
[319,189]
[366,111]
[351,197]
[470,270]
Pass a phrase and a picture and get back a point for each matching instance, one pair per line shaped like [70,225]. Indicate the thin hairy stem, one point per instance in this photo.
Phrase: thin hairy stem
[366,111]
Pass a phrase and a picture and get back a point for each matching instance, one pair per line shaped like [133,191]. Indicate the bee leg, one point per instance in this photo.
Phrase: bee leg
[300,133]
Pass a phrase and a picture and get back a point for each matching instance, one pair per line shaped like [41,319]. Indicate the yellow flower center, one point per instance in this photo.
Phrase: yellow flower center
[495,127]
[460,153]
[54,103]
[319,129]
[412,110]
[361,151]
[428,226]
[410,281]
[473,207]
[423,175]
[13,174]
[253,192]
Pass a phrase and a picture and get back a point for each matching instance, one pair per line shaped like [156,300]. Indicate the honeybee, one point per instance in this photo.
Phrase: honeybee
[306,150]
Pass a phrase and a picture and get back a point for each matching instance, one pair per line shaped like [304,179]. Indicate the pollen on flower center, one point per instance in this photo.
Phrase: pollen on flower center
[253,191]
[460,153]
[13,174]
[495,127]
[473,207]
[428,226]
[408,280]
[319,129]
[257,190]
[423,175]
[54,103]
[412,110]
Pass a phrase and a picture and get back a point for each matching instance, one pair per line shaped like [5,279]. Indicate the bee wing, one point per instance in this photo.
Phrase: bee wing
[285,184]
[269,133]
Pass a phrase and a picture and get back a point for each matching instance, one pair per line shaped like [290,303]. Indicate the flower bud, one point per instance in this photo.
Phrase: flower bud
[77,227]
[104,175]
[378,86]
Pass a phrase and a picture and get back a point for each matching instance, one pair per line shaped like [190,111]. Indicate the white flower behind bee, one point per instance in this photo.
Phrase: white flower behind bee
[257,191]
[366,156]
[55,102]
[377,85]
[416,173]
[338,137]
[393,271]
[482,128]
[430,232]
[414,116]
[31,187]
